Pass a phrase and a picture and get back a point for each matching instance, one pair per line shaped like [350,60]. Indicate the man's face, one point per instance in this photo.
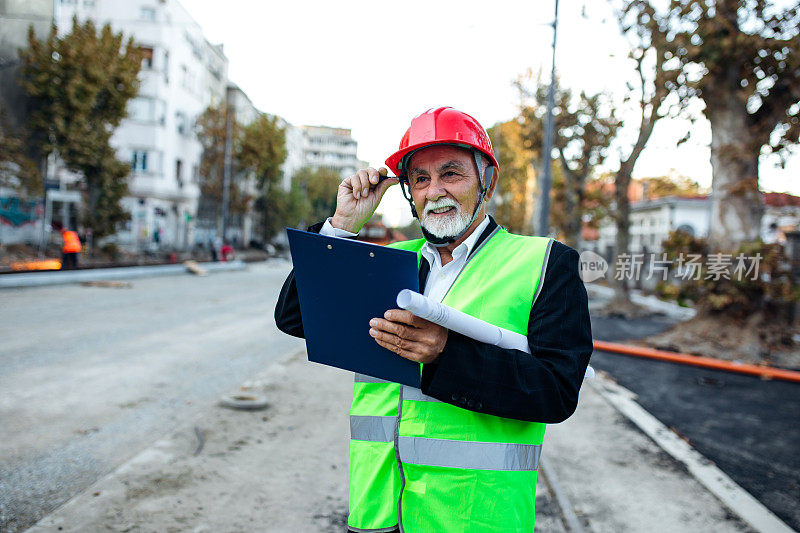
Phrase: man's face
[444,187]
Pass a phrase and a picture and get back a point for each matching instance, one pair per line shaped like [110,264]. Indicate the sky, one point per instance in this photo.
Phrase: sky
[372,66]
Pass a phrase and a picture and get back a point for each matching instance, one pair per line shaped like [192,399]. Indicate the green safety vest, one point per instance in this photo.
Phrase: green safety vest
[429,466]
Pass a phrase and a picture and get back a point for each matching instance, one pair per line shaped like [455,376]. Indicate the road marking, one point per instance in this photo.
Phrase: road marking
[738,500]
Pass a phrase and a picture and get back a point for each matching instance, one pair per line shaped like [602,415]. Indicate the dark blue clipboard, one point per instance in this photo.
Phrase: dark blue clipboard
[342,284]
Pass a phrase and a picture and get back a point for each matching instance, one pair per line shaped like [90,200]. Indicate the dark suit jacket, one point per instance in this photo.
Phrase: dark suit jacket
[540,387]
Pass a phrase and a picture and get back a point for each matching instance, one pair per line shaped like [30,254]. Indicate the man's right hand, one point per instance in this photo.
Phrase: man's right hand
[358,197]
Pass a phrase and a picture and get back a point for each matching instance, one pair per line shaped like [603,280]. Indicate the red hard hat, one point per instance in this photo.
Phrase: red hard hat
[443,125]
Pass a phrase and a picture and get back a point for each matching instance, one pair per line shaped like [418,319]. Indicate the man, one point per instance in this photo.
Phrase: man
[461,453]
[70,248]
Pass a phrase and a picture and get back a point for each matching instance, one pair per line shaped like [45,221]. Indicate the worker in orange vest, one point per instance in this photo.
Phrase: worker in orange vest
[70,249]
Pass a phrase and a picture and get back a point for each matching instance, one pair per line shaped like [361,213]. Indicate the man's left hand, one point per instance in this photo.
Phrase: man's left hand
[408,335]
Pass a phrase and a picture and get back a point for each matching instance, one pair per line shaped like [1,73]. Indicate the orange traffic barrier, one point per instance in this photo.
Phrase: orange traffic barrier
[44,264]
[696,360]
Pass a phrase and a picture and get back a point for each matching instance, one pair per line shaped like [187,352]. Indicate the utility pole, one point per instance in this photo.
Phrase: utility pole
[226,179]
[543,226]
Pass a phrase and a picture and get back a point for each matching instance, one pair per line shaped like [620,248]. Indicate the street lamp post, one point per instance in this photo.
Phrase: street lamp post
[543,226]
[226,179]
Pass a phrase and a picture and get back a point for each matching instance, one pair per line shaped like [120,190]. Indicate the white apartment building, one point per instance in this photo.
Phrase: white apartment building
[182,74]
[652,220]
[333,148]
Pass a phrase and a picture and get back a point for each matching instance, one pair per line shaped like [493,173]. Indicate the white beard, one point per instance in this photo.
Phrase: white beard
[446,226]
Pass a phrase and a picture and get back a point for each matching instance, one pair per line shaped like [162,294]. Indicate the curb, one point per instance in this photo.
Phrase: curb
[698,360]
[568,515]
[39,279]
[733,496]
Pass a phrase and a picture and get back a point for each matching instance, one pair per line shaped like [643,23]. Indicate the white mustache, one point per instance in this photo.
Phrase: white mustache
[438,204]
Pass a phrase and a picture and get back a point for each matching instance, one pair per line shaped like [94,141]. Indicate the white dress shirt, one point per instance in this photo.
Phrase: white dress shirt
[440,278]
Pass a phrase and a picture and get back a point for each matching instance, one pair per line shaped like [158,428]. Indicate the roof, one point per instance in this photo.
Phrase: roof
[781,199]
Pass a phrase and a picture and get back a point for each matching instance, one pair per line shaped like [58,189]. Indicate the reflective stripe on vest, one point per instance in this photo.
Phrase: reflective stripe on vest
[373,428]
[469,454]
[415,394]
[363,378]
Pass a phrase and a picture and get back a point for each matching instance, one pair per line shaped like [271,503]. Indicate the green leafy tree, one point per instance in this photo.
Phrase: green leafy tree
[319,187]
[211,128]
[18,170]
[263,149]
[282,209]
[514,195]
[258,150]
[262,152]
[78,87]
[744,60]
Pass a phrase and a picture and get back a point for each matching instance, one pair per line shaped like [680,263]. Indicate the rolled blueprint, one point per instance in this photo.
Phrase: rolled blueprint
[467,325]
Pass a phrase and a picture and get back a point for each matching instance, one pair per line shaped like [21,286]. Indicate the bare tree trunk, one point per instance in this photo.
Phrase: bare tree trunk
[622,291]
[573,203]
[572,223]
[736,203]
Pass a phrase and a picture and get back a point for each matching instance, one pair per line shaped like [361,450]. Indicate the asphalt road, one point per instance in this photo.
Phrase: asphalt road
[91,375]
[749,427]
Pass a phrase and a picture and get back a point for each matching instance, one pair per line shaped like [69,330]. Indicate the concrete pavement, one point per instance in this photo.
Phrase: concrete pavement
[285,469]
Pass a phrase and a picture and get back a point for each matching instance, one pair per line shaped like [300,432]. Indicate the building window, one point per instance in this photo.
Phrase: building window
[139,161]
[179,172]
[147,13]
[147,56]
[181,122]
[166,66]
[144,109]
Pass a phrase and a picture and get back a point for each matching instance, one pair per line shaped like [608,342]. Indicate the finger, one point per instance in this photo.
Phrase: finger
[347,183]
[361,184]
[403,347]
[374,176]
[394,328]
[400,315]
[383,171]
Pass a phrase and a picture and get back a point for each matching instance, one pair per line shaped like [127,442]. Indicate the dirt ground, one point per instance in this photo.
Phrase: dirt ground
[748,342]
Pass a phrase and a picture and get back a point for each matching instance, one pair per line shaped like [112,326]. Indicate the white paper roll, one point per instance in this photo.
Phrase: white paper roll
[467,325]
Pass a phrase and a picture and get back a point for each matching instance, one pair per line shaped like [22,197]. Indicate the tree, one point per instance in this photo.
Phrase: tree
[663,186]
[212,130]
[745,59]
[262,152]
[78,88]
[281,209]
[18,171]
[258,150]
[585,127]
[514,193]
[658,78]
[319,186]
